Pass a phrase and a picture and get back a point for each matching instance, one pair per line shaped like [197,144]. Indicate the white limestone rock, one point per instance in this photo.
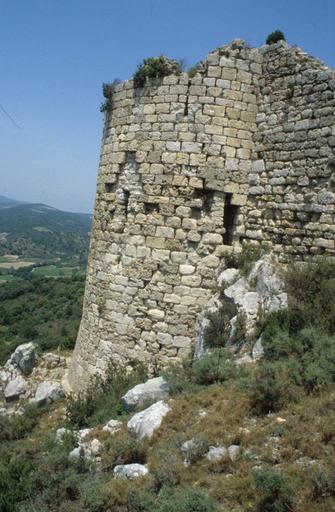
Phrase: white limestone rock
[144,423]
[130,471]
[24,358]
[234,451]
[258,349]
[216,453]
[83,433]
[15,389]
[60,433]
[112,426]
[269,285]
[48,392]
[150,391]
[95,447]
[228,276]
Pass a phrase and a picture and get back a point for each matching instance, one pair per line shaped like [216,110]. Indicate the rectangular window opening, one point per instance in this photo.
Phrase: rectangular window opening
[151,207]
[109,187]
[229,220]
[208,198]
[195,213]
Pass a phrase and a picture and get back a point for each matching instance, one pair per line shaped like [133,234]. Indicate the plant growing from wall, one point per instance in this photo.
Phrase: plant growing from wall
[155,67]
[108,89]
[193,70]
[275,36]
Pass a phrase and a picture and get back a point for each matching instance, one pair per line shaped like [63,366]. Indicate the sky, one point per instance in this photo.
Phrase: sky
[55,55]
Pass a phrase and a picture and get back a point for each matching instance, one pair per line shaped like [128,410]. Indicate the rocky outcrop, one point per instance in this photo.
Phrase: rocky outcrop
[25,376]
[262,290]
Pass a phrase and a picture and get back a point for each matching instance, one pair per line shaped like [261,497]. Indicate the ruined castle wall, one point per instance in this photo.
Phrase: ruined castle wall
[189,169]
[292,183]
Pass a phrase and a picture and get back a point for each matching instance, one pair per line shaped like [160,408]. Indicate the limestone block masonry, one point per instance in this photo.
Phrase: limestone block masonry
[190,168]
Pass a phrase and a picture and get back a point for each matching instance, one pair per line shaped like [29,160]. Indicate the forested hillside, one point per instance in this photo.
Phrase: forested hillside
[40,231]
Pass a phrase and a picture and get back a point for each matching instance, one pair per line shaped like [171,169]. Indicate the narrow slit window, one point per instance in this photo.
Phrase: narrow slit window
[126,194]
[229,220]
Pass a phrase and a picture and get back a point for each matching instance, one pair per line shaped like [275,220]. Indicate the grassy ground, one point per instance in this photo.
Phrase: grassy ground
[55,271]
[280,412]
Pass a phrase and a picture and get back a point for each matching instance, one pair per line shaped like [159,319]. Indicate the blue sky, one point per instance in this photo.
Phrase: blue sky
[55,54]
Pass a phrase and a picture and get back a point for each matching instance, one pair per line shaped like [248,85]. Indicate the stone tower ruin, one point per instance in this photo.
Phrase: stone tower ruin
[190,168]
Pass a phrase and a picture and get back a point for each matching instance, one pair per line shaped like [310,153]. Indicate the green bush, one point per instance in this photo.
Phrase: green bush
[155,67]
[102,401]
[311,293]
[266,389]
[124,450]
[245,259]
[277,493]
[217,331]
[180,378]
[323,482]
[186,500]
[214,368]
[275,36]
[93,496]
[196,449]
[19,425]
[167,467]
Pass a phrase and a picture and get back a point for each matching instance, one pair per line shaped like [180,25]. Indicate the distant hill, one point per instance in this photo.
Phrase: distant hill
[6,202]
[38,230]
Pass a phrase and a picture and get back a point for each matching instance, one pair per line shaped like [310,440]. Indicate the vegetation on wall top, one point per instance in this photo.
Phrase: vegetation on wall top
[275,36]
[155,67]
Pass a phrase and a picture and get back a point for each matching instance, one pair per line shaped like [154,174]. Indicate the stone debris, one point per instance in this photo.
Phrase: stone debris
[24,374]
[144,423]
[15,389]
[112,426]
[48,392]
[144,394]
[261,289]
[234,452]
[258,350]
[130,471]
[24,358]
[216,453]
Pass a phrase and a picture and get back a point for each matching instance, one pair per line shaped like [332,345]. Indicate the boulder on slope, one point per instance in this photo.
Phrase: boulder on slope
[143,394]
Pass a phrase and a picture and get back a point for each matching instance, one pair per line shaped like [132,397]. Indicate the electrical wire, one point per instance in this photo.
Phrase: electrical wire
[9,117]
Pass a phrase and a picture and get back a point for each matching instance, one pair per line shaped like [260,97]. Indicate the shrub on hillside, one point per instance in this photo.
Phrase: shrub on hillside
[217,330]
[266,389]
[186,500]
[277,494]
[213,368]
[311,293]
[102,400]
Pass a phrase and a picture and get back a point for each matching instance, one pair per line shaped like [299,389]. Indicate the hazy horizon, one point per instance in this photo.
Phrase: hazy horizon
[54,57]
